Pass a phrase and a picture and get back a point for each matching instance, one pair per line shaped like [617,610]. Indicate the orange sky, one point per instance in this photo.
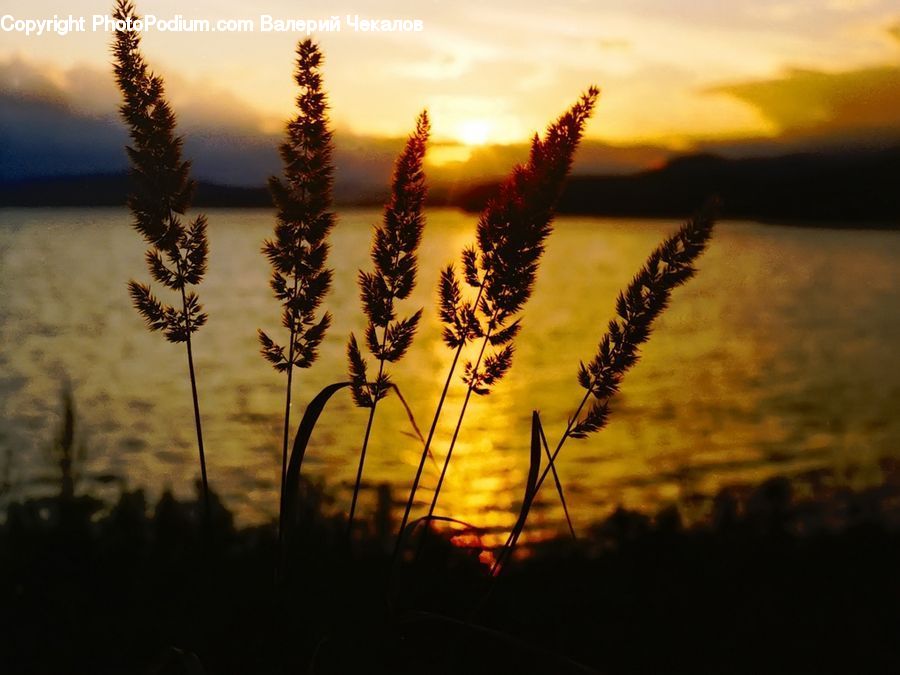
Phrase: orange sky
[674,74]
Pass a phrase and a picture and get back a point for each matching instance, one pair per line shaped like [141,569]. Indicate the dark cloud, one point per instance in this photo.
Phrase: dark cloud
[40,137]
[66,123]
[46,137]
[851,106]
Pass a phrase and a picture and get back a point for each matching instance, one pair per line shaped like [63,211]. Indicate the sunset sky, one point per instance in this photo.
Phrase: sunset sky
[737,77]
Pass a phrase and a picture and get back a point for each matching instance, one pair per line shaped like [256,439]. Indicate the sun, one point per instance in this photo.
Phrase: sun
[473,132]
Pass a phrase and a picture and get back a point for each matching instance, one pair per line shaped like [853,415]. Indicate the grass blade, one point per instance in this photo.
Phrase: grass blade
[534,467]
[301,442]
[413,524]
[409,414]
[304,434]
[559,487]
[412,422]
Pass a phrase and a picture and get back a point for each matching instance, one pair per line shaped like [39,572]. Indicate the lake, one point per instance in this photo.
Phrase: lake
[779,358]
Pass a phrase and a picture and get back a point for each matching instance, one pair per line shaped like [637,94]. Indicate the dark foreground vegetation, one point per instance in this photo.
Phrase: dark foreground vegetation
[768,582]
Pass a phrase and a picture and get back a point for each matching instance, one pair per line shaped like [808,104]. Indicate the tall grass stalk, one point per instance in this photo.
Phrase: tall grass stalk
[510,235]
[394,246]
[299,249]
[646,297]
[161,195]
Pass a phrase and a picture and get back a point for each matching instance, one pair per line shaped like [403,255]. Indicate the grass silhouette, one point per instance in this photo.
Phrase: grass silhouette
[393,254]
[161,195]
[479,306]
[299,249]
[510,235]
[646,297]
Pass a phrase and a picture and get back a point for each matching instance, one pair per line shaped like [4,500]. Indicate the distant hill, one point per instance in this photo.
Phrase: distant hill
[847,188]
[112,189]
[850,187]
[853,187]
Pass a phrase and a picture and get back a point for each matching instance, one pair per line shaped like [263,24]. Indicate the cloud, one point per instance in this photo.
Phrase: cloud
[853,105]
[851,5]
[55,122]
[58,122]
[65,122]
[24,80]
[895,30]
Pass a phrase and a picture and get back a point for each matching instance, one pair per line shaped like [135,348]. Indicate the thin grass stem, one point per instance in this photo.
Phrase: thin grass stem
[425,451]
[559,487]
[365,445]
[459,421]
[190,356]
[286,434]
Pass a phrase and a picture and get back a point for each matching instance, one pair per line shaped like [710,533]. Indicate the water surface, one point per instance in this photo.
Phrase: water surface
[780,357]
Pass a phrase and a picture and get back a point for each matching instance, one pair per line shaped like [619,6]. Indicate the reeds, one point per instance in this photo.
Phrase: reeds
[394,245]
[299,249]
[161,194]
[499,272]
[647,296]
[68,456]
[510,241]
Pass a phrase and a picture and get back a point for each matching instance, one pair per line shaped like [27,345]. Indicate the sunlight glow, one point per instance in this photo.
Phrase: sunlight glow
[442,155]
[474,132]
